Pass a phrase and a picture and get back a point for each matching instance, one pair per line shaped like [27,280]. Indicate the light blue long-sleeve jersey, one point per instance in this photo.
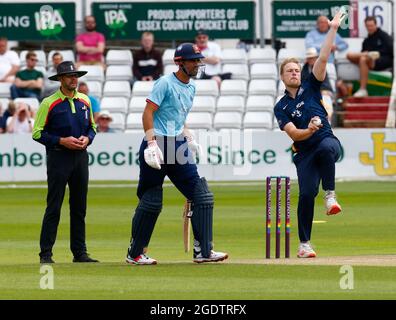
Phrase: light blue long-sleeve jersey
[315,39]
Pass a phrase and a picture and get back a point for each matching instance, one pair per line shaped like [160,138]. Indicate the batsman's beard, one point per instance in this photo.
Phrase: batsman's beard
[195,75]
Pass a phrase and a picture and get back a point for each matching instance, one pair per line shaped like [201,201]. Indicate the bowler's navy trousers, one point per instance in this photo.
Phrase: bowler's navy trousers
[314,165]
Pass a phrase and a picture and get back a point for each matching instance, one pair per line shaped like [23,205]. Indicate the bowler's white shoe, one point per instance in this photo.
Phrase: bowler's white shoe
[305,251]
[141,260]
[331,204]
[361,93]
[214,257]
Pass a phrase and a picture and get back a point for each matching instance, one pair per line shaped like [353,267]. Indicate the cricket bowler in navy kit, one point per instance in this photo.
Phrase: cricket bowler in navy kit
[167,150]
[301,114]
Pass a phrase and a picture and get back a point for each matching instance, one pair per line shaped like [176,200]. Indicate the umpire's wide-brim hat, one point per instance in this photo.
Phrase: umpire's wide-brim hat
[66,67]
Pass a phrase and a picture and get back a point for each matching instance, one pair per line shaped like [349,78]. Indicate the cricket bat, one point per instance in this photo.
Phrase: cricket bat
[187,213]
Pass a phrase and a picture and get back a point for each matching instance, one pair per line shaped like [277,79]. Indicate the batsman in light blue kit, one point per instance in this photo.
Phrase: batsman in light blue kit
[301,114]
[168,149]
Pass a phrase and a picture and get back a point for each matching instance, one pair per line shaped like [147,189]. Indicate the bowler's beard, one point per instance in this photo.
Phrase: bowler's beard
[293,85]
[90,29]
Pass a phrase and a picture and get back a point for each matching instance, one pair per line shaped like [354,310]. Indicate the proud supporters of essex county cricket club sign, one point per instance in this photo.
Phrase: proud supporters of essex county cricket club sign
[175,20]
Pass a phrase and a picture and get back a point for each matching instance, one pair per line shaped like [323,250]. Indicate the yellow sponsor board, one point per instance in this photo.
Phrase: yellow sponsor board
[384,165]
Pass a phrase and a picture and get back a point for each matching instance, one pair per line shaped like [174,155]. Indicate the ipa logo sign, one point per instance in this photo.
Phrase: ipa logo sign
[115,20]
[384,165]
[49,22]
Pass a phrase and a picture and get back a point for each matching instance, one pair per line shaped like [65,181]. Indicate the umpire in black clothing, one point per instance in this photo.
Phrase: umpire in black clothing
[65,125]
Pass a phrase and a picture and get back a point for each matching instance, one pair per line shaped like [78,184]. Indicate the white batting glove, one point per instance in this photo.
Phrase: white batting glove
[153,155]
[194,146]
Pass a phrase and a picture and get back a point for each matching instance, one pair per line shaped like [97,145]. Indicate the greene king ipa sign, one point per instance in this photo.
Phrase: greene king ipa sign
[169,21]
[293,19]
[37,21]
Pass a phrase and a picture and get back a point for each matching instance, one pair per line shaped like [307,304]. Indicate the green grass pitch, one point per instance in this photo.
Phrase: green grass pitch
[364,230]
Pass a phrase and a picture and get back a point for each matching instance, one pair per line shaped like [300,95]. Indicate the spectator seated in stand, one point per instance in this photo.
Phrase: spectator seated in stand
[327,91]
[95,104]
[315,38]
[6,114]
[28,82]
[51,86]
[9,62]
[103,122]
[212,60]
[21,121]
[90,45]
[147,62]
[376,54]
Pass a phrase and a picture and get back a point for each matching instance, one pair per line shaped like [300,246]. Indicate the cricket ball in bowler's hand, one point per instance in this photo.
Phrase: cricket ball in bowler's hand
[317,121]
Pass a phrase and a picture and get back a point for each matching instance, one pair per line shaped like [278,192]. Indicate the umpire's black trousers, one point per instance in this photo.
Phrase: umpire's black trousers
[65,167]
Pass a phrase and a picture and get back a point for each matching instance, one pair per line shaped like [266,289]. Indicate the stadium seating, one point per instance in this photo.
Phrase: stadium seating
[137,104]
[95,88]
[262,55]
[204,104]
[233,87]
[142,88]
[5,90]
[231,103]
[114,104]
[167,56]
[239,71]
[281,88]
[119,73]
[206,88]
[199,120]
[260,103]
[117,89]
[228,120]
[230,56]
[263,71]
[275,125]
[119,57]
[246,101]
[169,68]
[134,121]
[285,53]
[95,73]
[258,120]
[262,87]
[3,105]
[118,122]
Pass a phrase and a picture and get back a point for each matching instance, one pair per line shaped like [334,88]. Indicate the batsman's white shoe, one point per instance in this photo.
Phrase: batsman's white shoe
[305,251]
[331,204]
[140,260]
[214,257]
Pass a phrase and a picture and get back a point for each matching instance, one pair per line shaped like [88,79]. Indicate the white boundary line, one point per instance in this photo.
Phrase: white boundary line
[169,184]
[128,185]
